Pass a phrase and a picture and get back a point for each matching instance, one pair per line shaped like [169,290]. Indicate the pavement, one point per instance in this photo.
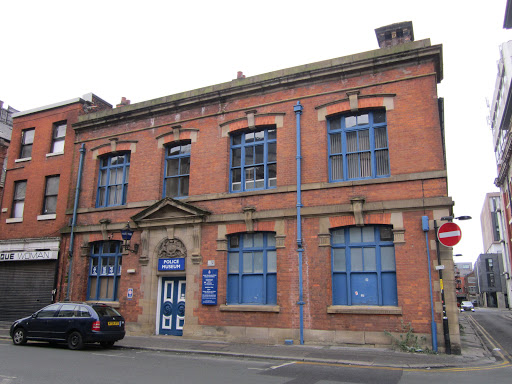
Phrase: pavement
[474,351]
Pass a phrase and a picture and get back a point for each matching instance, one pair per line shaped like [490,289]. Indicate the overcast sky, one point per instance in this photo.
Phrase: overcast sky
[58,50]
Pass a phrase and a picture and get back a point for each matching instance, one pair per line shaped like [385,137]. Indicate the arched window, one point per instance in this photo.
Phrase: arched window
[358,146]
[113,180]
[104,270]
[363,266]
[252,269]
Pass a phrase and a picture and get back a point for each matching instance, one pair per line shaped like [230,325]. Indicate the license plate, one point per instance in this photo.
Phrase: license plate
[113,323]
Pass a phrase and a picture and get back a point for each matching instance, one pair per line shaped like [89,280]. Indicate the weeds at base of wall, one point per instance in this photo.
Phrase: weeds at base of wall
[408,341]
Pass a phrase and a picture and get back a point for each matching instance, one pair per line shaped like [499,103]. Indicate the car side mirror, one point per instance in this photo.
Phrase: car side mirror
[34,315]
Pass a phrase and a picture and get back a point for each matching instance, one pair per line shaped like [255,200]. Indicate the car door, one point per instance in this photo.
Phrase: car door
[37,326]
[61,322]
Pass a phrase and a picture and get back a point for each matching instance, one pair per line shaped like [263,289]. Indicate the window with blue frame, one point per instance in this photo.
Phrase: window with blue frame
[104,270]
[113,180]
[252,269]
[177,170]
[358,146]
[363,266]
[253,160]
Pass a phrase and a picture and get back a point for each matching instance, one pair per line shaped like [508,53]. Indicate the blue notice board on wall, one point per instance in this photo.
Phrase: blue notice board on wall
[209,292]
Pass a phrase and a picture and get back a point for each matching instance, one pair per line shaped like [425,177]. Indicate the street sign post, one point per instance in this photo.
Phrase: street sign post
[449,234]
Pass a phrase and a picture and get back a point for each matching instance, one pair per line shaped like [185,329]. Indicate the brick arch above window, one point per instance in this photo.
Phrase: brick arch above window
[225,230]
[369,219]
[178,134]
[251,121]
[113,147]
[355,102]
[395,219]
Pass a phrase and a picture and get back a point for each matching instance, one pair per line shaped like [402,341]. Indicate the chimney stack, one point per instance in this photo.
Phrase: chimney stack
[395,34]
[123,102]
[240,75]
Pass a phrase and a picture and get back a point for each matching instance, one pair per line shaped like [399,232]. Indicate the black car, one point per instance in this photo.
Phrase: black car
[73,323]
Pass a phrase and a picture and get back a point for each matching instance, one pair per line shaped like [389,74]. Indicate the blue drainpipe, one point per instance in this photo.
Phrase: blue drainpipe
[73,222]
[425,227]
[298,111]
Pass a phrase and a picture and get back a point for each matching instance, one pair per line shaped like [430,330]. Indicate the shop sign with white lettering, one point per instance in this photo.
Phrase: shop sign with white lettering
[28,256]
[174,264]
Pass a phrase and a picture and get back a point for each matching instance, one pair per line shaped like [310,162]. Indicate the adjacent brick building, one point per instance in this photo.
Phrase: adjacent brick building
[281,206]
[37,183]
[5,139]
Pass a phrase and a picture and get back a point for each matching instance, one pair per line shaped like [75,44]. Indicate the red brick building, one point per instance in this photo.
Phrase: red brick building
[281,206]
[37,183]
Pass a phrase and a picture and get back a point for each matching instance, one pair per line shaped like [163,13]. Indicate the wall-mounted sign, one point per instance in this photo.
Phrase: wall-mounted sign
[129,295]
[28,256]
[174,264]
[209,293]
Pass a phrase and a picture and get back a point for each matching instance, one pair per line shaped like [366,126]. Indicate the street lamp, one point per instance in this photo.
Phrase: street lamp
[446,327]
[126,234]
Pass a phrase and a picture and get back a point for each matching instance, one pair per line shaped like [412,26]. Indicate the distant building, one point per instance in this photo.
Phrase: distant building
[507,22]
[471,286]
[488,269]
[500,121]
[461,270]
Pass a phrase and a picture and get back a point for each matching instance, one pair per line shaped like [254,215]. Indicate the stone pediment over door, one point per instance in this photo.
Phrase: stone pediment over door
[168,212]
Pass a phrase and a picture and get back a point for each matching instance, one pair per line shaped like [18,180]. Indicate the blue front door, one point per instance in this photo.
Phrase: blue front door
[172,306]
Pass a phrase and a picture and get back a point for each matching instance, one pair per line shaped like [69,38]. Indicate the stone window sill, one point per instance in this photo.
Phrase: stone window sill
[23,159]
[51,216]
[250,308]
[364,309]
[52,154]
[14,220]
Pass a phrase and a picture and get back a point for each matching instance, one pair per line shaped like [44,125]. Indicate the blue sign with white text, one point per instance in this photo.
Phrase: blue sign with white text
[174,264]
[209,294]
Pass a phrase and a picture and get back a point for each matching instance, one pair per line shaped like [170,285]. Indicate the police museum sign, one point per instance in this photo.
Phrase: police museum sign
[30,256]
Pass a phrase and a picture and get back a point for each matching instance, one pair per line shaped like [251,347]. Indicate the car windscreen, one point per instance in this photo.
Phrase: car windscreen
[105,311]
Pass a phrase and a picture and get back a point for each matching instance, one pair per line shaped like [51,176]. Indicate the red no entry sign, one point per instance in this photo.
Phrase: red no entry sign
[449,234]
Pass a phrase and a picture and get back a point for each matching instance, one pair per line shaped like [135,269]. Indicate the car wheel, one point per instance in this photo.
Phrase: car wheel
[107,344]
[19,336]
[75,340]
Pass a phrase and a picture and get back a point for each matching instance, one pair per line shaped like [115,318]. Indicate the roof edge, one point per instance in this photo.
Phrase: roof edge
[87,98]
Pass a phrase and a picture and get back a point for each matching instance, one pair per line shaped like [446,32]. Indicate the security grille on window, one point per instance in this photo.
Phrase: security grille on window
[59,134]
[27,139]
[358,146]
[50,195]
[253,160]
[105,270]
[177,171]
[252,269]
[363,266]
[18,203]
[113,180]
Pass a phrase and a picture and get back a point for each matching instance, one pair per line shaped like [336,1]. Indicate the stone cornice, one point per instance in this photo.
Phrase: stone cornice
[347,66]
